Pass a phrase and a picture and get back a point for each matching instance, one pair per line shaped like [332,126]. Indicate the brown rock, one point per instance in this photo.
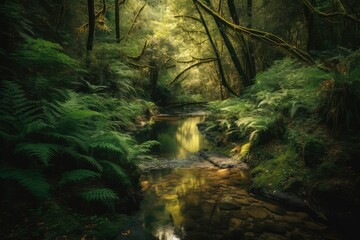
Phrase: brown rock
[259,213]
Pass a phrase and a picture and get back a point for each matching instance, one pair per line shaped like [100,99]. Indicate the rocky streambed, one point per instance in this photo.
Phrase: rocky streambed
[206,197]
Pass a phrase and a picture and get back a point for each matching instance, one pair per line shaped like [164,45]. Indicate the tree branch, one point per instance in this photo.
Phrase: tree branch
[313,9]
[190,67]
[264,36]
[186,16]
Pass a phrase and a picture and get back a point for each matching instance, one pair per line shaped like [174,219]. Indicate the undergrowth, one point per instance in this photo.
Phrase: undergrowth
[278,125]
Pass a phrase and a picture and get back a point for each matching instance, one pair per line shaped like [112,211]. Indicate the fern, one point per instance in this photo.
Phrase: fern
[14,105]
[118,172]
[139,152]
[99,194]
[41,151]
[31,180]
[78,175]
[40,53]
[86,158]
[112,141]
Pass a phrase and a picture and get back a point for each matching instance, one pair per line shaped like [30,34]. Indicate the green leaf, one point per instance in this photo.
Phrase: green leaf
[78,175]
[41,151]
[99,194]
[32,180]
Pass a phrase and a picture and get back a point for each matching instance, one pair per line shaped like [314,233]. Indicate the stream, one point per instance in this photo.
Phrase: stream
[187,197]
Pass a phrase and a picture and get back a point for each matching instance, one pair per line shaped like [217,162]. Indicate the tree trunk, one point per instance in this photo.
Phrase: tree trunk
[91,13]
[313,42]
[216,52]
[246,46]
[232,52]
[249,13]
[117,21]
[233,12]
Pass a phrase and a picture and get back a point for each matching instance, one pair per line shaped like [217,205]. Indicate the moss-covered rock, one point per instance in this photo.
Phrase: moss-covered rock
[312,152]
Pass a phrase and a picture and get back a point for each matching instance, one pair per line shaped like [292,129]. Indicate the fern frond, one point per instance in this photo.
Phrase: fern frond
[115,142]
[138,152]
[118,171]
[41,151]
[99,194]
[31,180]
[40,53]
[245,149]
[88,159]
[78,175]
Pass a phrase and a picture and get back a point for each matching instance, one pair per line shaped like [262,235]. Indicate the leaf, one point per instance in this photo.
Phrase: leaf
[99,194]
[78,175]
[41,151]
[32,180]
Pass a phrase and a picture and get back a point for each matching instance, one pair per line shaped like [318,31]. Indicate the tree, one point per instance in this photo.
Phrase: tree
[117,21]
[216,52]
[234,57]
[91,23]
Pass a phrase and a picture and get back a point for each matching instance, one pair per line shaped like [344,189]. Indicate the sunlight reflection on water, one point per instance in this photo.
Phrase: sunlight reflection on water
[179,136]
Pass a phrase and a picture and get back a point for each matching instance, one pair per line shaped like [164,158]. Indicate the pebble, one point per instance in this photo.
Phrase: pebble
[259,213]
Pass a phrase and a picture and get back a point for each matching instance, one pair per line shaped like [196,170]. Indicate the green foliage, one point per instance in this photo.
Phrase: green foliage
[99,194]
[32,180]
[278,174]
[313,151]
[42,53]
[13,18]
[41,151]
[115,171]
[341,95]
[72,138]
[76,176]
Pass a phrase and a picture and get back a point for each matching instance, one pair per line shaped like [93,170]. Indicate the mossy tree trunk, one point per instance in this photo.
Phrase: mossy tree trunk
[231,50]
[216,51]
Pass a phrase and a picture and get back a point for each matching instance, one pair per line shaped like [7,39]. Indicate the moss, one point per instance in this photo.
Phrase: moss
[313,151]
[282,173]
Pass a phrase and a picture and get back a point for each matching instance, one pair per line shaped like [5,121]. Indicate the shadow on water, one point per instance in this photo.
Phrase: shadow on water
[211,203]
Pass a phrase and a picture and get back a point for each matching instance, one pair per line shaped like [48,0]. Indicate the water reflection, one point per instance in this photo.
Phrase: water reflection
[179,136]
[177,201]
[205,203]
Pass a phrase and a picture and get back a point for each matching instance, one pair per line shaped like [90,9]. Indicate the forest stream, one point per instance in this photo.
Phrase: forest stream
[187,197]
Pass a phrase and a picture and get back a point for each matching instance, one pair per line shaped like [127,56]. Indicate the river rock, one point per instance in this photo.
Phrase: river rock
[227,206]
[259,213]
[269,226]
[315,226]
[235,223]
[275,209]
[242,215]
[292,219]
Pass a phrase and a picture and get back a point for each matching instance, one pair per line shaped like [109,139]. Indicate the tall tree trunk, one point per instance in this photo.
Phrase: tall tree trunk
[117,21]
[233,12]
[313,42]
[91,13]
[249,13]
[246,46]
[216,52]
[245,78]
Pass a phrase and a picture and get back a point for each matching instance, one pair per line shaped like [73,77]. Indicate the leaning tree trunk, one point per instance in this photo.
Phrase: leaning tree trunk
[246,46]
[91,13]
[231,50]
[117,21]
[216,52]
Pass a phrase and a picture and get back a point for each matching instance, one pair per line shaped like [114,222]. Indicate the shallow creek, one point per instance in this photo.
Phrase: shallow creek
[186,197]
